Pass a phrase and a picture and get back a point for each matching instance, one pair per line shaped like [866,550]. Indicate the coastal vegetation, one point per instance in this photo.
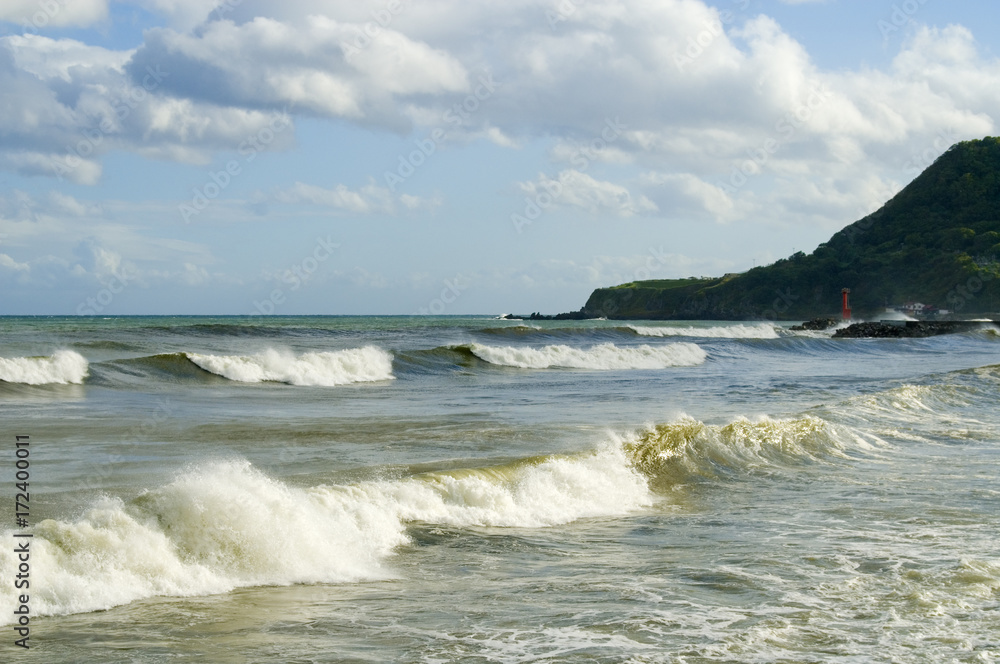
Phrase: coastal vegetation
[936,242]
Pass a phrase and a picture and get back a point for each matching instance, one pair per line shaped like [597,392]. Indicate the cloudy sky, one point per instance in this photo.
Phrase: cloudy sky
[446,156]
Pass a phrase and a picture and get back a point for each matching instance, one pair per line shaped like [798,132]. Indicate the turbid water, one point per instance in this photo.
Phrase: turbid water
[366,489]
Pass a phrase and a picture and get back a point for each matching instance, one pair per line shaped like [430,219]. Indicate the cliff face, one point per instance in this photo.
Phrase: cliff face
[937,242]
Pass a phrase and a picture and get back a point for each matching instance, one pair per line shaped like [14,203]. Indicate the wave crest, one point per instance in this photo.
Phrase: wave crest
[604,357]
[226,525]
[688,449]
[62,367]
[342,367]
[211,530]
[762,331]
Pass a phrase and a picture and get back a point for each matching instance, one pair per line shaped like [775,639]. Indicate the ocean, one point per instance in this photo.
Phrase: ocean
[467,489]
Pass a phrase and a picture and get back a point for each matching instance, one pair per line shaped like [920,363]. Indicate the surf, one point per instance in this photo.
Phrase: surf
[763,331]
[64,367]
[326,368]
[602,357]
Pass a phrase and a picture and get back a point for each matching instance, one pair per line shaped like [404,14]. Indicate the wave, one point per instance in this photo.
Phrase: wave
[687,450]
[342,367]
[762,331]
[604,357]
[211,530]
[63,367]
[957,407]
[226,525]
[170,367]
[740,331]
[222,330]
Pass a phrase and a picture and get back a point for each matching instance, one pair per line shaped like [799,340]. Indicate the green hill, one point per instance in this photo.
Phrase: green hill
[936,242]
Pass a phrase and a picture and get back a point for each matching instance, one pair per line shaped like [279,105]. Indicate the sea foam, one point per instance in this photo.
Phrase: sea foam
[226,525]
[63,367]
[762,331]
[600,357]
[354,365]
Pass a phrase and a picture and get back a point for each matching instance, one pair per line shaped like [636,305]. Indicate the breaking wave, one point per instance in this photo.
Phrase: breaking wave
[354,365]
[763,331]
[686,449]
[227,525]
[62,367]
[604,357]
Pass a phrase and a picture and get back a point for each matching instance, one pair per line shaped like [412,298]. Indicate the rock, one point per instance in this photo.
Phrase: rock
[910,329]
[816,324]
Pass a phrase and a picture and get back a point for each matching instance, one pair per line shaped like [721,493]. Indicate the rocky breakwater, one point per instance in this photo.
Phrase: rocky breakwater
[909,329]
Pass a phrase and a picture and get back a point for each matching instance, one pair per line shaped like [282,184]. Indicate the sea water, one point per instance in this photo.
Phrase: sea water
[445,489]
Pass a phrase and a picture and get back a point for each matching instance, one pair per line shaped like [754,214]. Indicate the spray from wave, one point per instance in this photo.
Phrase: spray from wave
[342,367]
[604,357]
[227,525]
[62,367]
[762,331]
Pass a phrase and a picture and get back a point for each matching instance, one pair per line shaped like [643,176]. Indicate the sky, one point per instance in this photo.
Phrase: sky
[455,157]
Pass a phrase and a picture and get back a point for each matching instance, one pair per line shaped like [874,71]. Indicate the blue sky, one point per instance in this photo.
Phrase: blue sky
[328,157]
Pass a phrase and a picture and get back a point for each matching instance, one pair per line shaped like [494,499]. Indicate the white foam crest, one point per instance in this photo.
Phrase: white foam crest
[227,526]
[554,491]
[353,365]
[223,527]
[601,357]
[62,367]
[762,331]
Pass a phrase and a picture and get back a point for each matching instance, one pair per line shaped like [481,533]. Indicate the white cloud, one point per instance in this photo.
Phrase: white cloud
[72,103]
[697,97]
[42,14]
[308,66]
[369,199]
[576,189]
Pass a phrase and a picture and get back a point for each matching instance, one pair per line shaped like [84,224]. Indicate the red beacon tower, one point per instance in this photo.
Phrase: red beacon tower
[846,309]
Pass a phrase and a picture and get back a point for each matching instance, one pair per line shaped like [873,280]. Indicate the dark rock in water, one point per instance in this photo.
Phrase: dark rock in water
[816,324]
[911,329]
[573,315]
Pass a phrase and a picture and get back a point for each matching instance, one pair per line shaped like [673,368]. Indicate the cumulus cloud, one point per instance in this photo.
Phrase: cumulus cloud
[39,15]
[71,103]
[727,110]
[309,66]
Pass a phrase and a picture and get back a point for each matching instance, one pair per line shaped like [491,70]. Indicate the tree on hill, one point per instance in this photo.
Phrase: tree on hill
[937,241]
